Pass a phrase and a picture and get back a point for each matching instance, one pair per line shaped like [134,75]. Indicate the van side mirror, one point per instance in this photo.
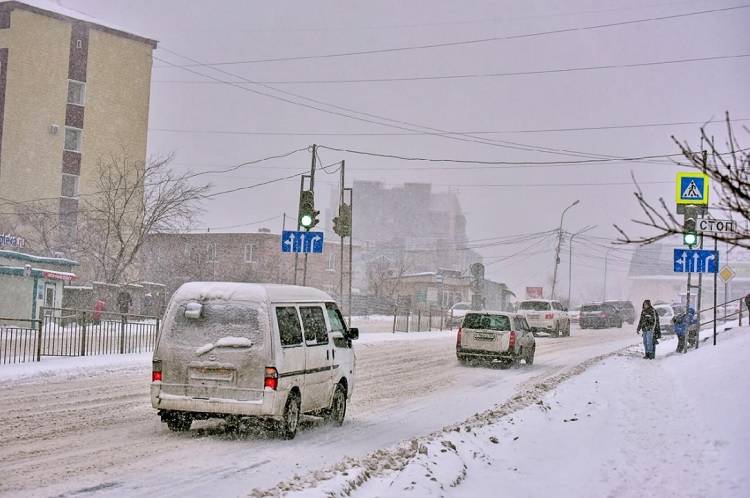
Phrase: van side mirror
[353,334]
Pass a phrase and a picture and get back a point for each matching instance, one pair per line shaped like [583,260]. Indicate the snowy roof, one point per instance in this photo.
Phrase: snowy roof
[36,259]
[55,10]
[240,291]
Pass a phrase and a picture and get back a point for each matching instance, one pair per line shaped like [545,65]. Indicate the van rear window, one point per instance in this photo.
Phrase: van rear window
[218,320]
[486,322]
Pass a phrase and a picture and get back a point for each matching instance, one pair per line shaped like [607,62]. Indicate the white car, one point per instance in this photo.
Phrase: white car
[495,336]
[546,315]
[666,313]
[458,312]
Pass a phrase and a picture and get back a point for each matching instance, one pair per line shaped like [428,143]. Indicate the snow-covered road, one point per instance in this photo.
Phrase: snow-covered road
[69,432]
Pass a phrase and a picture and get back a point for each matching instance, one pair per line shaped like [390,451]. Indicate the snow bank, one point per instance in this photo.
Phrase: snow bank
[674,426]
[79,366]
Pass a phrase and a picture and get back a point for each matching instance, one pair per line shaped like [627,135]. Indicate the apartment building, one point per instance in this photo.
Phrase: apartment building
[73,91]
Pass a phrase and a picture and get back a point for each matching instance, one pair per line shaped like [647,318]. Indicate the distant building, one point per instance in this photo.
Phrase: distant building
[412,227]
[72,92]
[174,259]
[444,288]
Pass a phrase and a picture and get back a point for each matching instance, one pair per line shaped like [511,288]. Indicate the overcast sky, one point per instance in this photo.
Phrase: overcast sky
[229,31]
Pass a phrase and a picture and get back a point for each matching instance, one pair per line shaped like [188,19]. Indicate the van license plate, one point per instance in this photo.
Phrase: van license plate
[484,336]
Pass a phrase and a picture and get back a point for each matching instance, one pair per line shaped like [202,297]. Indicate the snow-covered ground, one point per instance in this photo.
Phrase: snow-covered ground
[89,428]
[674,426]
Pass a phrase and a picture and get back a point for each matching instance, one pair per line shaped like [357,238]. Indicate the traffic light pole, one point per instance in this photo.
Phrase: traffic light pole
[351,224]
[299,213]
[341,237]
[312,189]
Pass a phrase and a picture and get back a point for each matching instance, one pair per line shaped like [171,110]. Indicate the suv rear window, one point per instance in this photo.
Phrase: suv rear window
[591,307]
[486,322]
[535,306]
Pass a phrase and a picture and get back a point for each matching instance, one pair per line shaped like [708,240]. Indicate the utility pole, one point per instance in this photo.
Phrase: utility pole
[341,236]
[606,258]
[351,207]
[570,262]
[312,189]
[557,252]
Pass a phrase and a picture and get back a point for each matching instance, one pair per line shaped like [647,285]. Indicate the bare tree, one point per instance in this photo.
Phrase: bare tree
[728,166]
[132,200]
[384,276]
[39,221]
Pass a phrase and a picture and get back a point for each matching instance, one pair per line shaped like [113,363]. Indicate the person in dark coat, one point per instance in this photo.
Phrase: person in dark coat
[747,303]
[649,326]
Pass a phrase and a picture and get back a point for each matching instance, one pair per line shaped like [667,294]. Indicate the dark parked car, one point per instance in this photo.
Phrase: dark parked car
[625,309]
[599,316]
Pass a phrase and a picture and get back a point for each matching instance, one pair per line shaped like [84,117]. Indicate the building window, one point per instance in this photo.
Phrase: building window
[76,92]
[331,261]
[70,185]
[250,252]
[211,258]
[73,139]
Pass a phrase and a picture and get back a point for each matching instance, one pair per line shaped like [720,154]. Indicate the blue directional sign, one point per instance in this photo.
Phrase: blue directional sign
[696,261]
[294,241]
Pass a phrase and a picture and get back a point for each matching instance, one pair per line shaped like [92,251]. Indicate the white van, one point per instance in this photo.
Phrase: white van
[267,352]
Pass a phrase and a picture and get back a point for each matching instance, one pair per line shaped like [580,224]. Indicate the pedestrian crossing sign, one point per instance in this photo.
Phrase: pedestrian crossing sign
[692,188]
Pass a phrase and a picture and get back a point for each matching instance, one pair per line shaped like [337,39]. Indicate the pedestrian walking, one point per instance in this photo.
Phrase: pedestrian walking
[682,325]
[747,302]
[648,325]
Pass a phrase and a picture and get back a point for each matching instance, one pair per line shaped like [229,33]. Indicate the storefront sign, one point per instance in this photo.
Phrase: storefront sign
[8,239]
[53,275]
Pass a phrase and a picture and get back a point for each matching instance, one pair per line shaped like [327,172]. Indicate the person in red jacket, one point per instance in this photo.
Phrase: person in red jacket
[99,307]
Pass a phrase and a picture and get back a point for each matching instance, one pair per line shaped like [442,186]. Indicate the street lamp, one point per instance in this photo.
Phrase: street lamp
[606,256]
[557,253]
[570,260]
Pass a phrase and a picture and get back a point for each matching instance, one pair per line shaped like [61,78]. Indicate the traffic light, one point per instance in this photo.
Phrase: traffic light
[689,230]
[308,216]
[342,224]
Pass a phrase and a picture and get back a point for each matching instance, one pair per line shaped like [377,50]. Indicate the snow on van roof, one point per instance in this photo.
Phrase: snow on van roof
[241,291]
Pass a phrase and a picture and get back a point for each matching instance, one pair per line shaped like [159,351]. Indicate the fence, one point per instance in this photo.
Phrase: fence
[19,340]
[408,320]
[74,332]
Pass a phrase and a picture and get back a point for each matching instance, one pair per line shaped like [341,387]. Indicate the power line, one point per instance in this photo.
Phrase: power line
[468,42]
[420,133]
[369,117]
[497,163]
[192,175]
[482,75]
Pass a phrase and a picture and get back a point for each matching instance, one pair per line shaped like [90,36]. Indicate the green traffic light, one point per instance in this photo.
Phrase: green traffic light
[306,221]
[690,239]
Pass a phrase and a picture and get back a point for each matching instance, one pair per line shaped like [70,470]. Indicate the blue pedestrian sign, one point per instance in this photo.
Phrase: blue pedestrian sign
[696,261]
[306,242]
[692,188]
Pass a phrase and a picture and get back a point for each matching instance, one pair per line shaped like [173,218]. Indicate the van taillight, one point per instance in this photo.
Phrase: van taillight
[271,380]
[549,316]
[458,339]
[156,371]
[512,340]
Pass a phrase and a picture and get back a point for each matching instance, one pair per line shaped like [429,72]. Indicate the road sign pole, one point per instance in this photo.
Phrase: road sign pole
[716,248]
[700,298]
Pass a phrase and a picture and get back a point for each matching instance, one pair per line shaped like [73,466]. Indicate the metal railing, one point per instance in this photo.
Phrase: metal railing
[75,332]
[407,320]
[19,340]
